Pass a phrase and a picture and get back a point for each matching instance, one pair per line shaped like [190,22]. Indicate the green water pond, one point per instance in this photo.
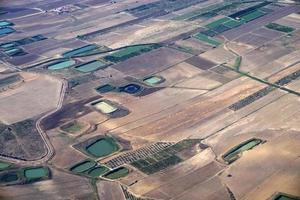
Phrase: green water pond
[97,171]
[36,173]
[91,66]
[83,166]
[102,147]
[117,173]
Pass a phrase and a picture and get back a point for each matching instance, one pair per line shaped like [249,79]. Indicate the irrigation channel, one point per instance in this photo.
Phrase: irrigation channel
[236,68]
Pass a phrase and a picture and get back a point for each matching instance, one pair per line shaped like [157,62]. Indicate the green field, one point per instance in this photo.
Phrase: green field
[73,127]
[91,66]
[234,153]
[218,22]
[253,15]
[207,12]
[117,173]
[129,52]
[232,23]
[207,39]
[281,28]
[102,147]
[165,158]
[83,166]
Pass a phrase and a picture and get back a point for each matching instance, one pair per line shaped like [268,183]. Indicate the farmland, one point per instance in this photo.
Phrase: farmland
[149,100]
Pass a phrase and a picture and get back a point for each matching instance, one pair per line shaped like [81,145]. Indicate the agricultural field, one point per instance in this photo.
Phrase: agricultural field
[149,100]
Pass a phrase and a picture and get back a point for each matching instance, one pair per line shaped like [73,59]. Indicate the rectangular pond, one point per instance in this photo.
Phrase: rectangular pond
[36,173]
[61,64]
[80,50]
[6,31]
[91,66]
[105,107]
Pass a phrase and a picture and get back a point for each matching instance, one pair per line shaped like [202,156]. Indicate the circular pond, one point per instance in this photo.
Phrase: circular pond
[131,88]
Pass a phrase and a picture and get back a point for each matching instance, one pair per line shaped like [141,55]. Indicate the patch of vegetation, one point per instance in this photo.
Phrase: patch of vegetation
[207,39]
[129,52]
[220,29]
[197,13]
[218,22]
[249,10]
[232,23]
[161,7]
[21,140]
[237,62]
[165,158]
[252,16]
[73,127]
[281,28]
[150,165]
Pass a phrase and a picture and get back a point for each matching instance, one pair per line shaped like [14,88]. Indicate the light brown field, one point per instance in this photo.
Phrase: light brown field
[39,94]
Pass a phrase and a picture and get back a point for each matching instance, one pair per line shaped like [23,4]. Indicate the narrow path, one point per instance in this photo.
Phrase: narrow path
[49,148]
